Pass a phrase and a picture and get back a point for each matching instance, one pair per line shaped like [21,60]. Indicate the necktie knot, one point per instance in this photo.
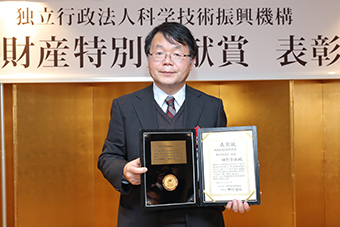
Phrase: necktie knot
[171,111]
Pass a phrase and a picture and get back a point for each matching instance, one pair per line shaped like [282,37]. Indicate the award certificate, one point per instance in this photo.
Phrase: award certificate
[229,165]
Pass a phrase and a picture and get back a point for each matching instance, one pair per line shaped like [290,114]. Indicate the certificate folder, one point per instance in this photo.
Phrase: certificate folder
[206,167]
[228,161]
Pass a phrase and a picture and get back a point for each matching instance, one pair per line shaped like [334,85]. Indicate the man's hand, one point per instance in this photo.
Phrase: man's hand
[238,206]
[132,171]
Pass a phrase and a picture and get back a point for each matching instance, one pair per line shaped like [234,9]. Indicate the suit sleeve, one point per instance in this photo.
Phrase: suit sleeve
[112,160]
[221,119]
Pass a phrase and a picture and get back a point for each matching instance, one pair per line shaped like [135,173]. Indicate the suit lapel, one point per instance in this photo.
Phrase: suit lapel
[193,108]
[144,105]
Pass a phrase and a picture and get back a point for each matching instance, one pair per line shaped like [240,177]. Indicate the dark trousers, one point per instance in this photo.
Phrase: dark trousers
[172,218]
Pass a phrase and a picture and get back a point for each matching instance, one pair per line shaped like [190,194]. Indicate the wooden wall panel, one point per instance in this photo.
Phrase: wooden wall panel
[54,155]
[211,88]
[308,149]
[331,97]
[8,112]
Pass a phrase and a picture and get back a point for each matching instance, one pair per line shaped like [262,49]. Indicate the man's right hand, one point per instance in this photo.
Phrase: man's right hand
[133,170]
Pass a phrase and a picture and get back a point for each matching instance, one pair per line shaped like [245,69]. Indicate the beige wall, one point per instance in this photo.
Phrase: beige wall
[54,134]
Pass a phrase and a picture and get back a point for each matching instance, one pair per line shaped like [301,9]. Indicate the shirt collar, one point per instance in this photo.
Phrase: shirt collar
[160,95]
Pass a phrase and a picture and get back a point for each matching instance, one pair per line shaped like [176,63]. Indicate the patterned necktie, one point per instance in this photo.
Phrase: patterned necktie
[171,111]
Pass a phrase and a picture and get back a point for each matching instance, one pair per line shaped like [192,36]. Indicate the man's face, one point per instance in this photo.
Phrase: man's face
[168,75]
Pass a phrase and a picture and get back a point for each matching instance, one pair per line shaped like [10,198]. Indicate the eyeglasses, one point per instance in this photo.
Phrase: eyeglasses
[175,56]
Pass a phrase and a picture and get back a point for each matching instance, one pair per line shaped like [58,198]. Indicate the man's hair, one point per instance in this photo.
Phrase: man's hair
[173,32]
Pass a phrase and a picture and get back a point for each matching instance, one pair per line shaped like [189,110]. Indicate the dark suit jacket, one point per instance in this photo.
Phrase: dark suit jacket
[137,110]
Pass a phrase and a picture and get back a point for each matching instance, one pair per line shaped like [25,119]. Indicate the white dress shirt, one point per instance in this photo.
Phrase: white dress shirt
[160,96]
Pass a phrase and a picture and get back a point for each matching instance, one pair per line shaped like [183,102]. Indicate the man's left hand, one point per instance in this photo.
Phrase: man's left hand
[238,206]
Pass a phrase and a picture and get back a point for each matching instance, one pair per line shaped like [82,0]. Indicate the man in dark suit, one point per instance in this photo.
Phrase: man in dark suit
[171,50]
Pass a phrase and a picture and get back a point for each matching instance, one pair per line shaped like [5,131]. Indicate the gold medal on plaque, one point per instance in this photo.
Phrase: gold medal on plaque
[170,182]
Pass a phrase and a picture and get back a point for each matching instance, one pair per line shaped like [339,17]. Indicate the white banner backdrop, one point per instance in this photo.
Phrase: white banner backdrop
[103,40]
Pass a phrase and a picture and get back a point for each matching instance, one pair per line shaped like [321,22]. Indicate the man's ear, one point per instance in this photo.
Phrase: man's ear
[192,62]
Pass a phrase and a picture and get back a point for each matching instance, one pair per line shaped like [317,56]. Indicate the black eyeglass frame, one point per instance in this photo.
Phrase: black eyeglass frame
[165,55]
